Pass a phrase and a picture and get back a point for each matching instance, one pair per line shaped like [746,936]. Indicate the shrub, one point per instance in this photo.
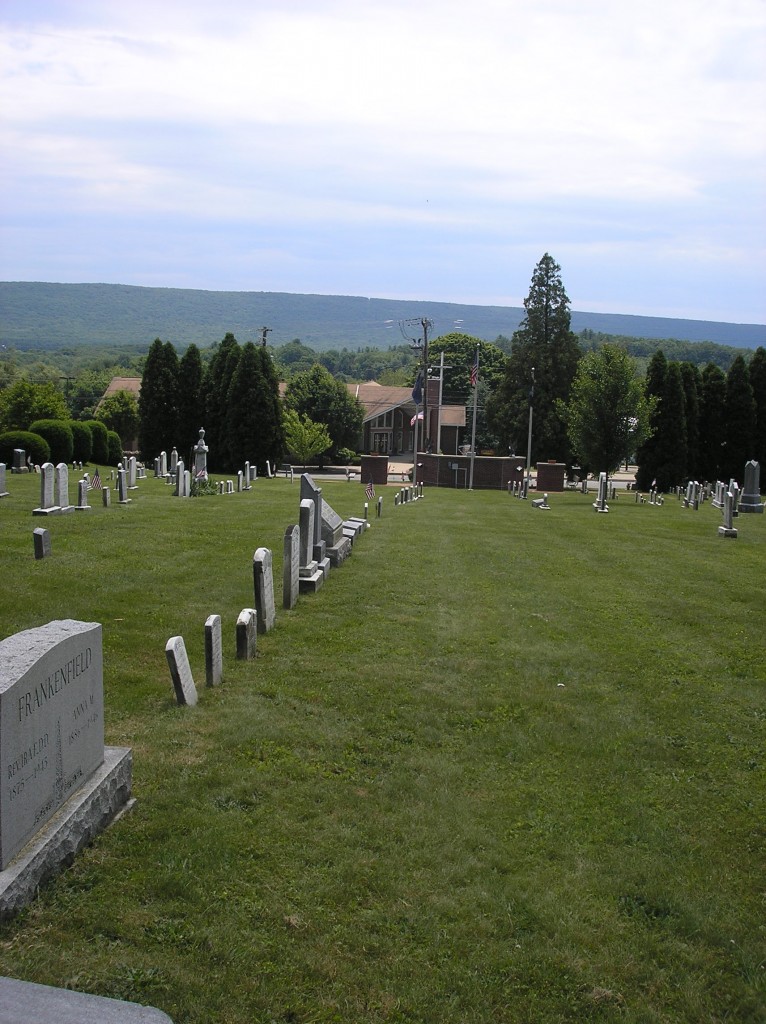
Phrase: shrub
[83,441]
[115,448]
[59,436]
[348,457]
[100,450]
[36,447]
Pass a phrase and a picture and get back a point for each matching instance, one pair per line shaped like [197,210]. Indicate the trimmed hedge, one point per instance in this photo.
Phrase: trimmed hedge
[59,436]
[115,448]
[83,441]
[100,450]
[36,447]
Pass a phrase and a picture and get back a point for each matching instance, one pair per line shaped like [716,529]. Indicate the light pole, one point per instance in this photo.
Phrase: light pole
[529,434]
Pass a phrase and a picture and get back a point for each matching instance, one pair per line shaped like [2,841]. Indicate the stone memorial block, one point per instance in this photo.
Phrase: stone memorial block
[213,650]
[247,634]
[310,490]
[291,566]
[3,492]
[82,496]
[132,485]
[42,542]
[306,527]
[51,724]
[180,671]
[263,580]
[248,478]
[332,525]
[19,461]
[31,1003]
[750,499]
[728,530]
[106,496]
[600,504]
[47,504]
[163,464]
[240,481]
[173,460]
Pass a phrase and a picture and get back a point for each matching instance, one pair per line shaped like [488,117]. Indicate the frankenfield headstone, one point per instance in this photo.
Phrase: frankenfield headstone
[51,724]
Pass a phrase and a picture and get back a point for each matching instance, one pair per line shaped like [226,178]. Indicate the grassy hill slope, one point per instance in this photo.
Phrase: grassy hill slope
[44,315]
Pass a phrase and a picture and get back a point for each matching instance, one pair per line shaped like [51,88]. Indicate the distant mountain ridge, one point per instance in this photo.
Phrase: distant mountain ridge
[47,315]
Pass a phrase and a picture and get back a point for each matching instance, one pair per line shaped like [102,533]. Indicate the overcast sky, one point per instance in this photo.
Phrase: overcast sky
[416,149]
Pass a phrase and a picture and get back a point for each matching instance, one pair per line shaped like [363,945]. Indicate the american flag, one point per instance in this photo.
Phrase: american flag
[475,369]
[370,490]
[95,481]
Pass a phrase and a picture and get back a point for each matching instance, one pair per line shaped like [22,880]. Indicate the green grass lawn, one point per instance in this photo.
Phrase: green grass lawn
[506,766]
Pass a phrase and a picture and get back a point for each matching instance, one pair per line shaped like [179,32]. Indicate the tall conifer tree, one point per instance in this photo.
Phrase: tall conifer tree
[648,453]
[757,371]
[543,341]
[740,420]
[158,401]
[216,386]
[692,384]
[712,423]
[190,411]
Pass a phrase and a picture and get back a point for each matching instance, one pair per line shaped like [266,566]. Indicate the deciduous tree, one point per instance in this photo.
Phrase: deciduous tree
[304,438]
[608,413]
[323,399]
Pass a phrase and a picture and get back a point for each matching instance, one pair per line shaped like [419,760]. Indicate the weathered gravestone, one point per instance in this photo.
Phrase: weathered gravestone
[19,461]
[310,575]
[122,488]
[61,487]
[600,504]
[728,529]
[106,496]
[247,634]
[180,671]
[291,566]
[263,583]
[42,542]
[47,505]
[750,499]
[3,492]
[213,650]
[132,485]
[310,491]
[59,785]
[82,496]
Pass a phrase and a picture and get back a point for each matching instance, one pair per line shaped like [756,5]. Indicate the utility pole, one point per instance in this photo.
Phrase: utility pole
[264,331]
[426,324]
[529,434]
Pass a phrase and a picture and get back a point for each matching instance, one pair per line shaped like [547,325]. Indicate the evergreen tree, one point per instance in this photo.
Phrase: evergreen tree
[648,453]
[190,409]
[672,454]
[692,384]
[158,401]
[543,341]
[244,401]
[272,434]
[757,371]
[216,384]
[712,423]
[740,420]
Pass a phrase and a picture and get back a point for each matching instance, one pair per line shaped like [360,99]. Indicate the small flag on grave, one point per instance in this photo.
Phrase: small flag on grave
[95,481]
[370,490]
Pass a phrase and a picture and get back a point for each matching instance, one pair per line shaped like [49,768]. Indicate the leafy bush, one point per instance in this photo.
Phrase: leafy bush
[58,434]
[36,447]
[100,450]
[348,457]
[115,448]
[83,441]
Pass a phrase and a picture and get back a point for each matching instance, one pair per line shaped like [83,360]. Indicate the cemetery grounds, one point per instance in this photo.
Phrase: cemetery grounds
[507,765]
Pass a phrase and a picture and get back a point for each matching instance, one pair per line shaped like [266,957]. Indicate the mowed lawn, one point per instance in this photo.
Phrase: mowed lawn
[506,766]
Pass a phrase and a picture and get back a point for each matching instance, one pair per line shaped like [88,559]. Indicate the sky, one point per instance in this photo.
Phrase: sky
[426,150]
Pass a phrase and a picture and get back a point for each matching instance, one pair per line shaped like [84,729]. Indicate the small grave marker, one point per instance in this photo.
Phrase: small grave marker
[180,671]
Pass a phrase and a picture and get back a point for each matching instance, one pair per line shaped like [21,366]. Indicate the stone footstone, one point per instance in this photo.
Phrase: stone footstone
[180,671]
[247,634]
[213,650]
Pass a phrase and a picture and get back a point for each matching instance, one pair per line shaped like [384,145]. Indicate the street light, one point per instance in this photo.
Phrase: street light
[528,436]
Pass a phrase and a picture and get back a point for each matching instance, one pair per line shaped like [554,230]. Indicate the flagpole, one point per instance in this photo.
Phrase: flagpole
[473,431]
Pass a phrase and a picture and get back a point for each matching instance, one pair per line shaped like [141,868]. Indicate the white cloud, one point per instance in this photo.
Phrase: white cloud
[443,116]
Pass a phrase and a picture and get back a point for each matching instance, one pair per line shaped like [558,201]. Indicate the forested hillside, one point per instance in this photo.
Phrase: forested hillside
[45,316]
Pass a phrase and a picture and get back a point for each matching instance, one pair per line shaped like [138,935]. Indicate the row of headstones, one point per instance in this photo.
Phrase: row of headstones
[54,490]
[406,495]
[319,541]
